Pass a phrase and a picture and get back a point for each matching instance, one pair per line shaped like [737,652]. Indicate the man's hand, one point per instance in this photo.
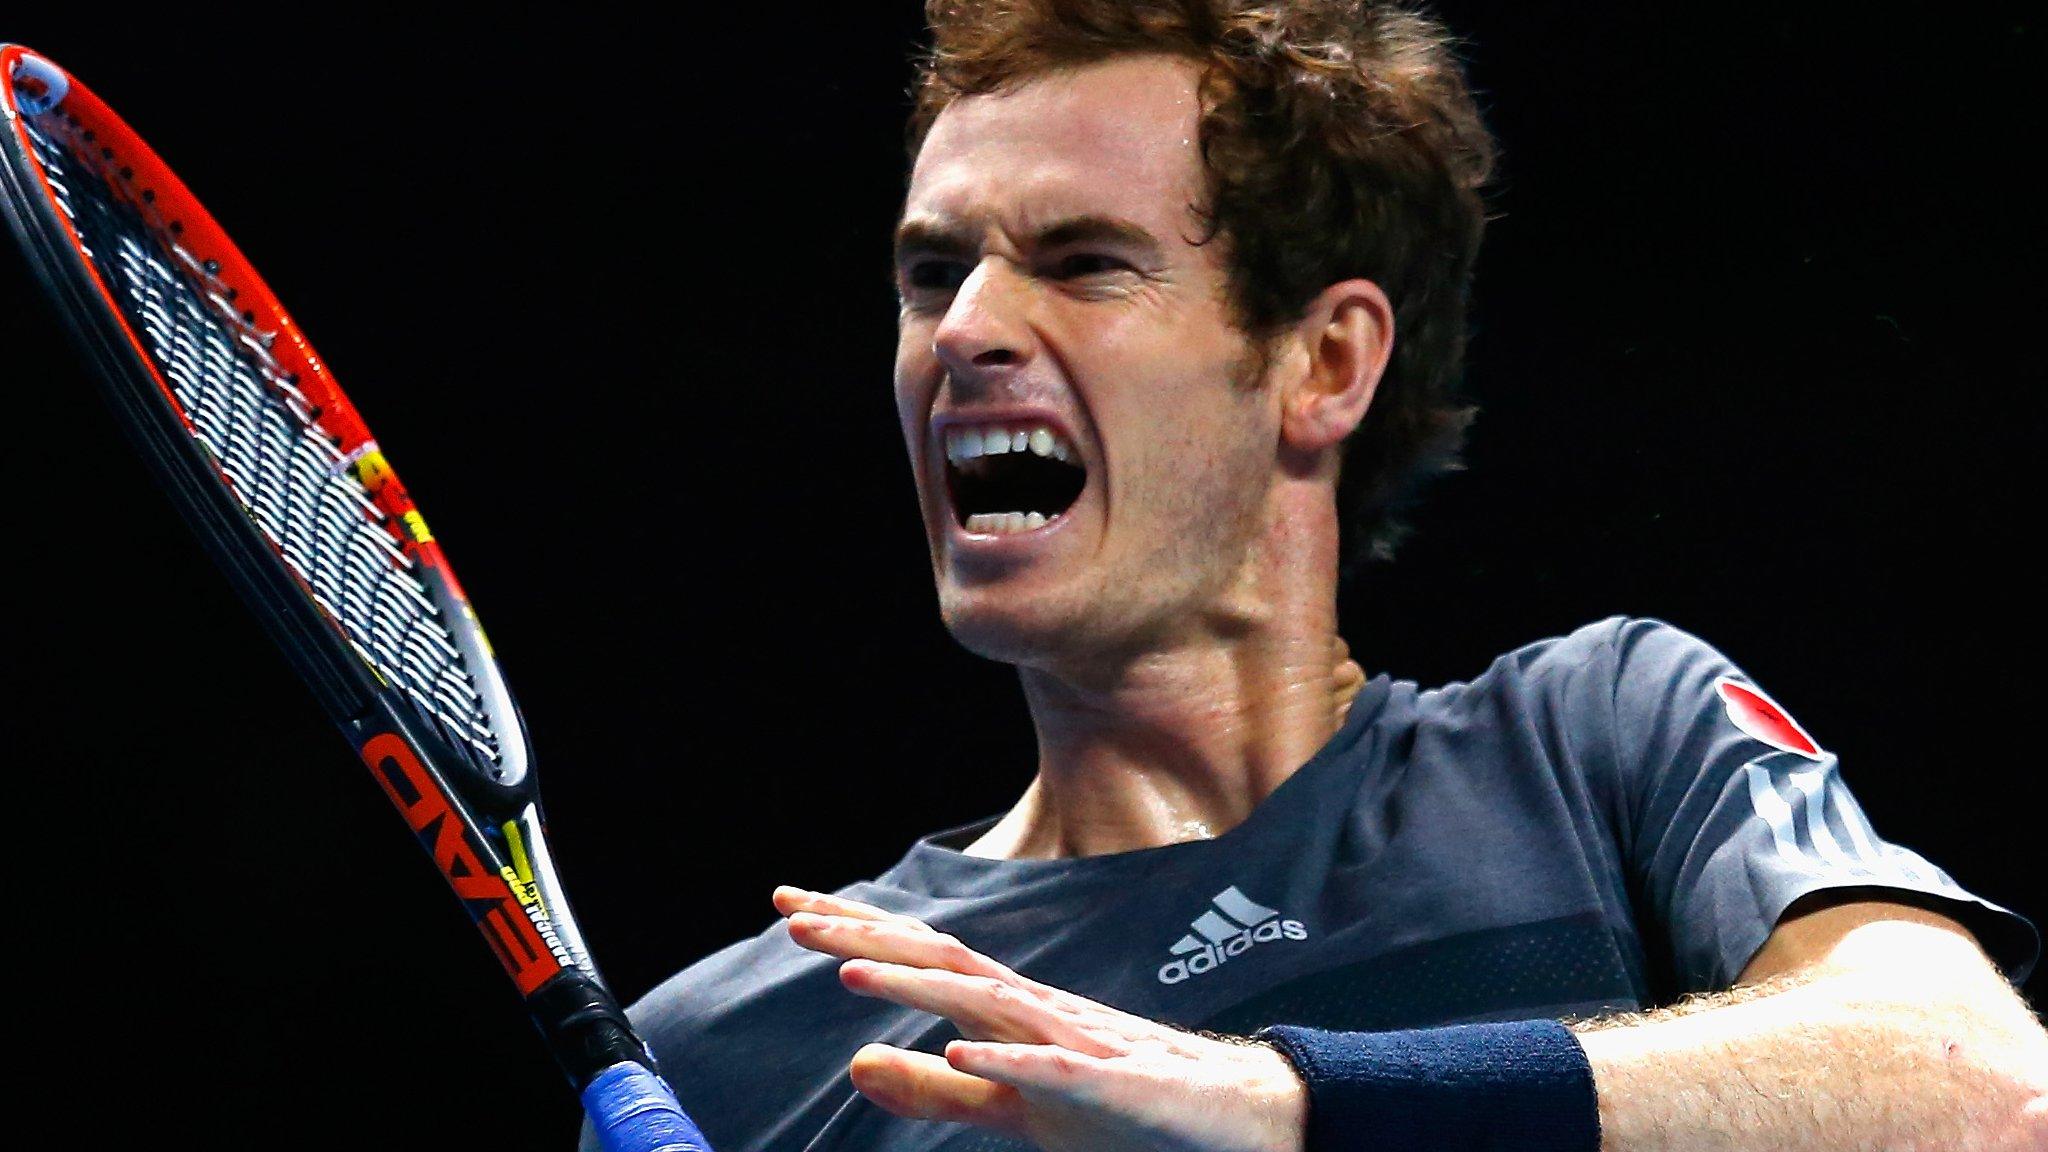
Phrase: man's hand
[1058,1070]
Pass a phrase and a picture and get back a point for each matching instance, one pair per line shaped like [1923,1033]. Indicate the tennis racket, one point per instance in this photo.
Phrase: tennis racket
[270,463]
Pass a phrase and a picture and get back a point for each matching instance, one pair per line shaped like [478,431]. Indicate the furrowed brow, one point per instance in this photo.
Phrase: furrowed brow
[925,236]
[929,237]
[1084,230]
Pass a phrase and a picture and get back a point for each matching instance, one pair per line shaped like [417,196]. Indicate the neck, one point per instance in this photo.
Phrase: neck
[1182,741]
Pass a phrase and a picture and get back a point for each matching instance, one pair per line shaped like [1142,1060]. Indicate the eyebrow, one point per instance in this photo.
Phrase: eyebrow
[939,236]
[929,236]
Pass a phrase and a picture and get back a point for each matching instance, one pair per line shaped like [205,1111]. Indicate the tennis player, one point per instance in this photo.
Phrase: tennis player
[1183,297]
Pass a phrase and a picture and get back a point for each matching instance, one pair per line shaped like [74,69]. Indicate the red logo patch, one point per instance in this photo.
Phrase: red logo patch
[1759,716]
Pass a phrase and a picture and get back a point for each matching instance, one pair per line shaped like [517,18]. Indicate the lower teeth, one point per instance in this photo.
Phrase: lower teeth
[996,523]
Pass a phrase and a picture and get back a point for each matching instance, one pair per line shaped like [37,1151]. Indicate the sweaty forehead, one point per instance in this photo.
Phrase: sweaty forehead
[1117,137]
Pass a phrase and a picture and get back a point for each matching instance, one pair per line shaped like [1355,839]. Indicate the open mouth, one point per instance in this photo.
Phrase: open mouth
[1011,478]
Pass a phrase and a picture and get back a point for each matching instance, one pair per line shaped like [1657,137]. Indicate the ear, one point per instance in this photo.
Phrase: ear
[1347,334]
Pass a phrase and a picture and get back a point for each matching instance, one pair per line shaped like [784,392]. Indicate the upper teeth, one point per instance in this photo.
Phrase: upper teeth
[973,443]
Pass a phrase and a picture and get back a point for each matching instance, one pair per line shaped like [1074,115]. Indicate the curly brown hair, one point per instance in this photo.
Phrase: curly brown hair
[1340,141]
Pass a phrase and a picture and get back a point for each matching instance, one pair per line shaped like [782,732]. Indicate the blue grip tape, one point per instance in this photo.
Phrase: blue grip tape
[633,1110]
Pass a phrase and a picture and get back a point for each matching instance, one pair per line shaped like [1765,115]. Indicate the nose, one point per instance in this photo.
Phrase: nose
[984,328]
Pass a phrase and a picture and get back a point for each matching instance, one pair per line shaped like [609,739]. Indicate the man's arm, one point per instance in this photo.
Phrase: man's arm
[1858,1026]
[1867,1026]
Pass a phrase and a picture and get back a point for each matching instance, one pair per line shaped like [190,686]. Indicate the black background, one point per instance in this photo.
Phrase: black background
[1757,349]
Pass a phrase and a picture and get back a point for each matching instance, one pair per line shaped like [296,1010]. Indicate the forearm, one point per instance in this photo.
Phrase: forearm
[1840,1062]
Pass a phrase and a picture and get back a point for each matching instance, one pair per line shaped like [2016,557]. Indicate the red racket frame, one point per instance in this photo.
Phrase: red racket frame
[484,833]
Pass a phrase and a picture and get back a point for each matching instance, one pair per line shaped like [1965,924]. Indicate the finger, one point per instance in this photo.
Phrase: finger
[1059,1016]
[851,939]
[920,1086]
[918,945]
[1075,1077]
[789,899]
[1098,1014]
[852,930]
[980,1007]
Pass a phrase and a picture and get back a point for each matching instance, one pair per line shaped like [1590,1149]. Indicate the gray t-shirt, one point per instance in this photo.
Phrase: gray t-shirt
[1600,822]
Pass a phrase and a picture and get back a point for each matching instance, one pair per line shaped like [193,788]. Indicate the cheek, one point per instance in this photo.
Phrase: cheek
[1213,460]
[1192,425]
[914,377]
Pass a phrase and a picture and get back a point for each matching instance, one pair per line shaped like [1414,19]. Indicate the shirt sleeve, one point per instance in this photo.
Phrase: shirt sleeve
[1731,812]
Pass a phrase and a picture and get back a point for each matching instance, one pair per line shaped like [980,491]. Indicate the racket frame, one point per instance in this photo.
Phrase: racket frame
[483,828]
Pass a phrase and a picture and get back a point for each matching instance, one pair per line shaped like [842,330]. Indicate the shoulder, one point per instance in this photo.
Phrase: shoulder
[1558,679]
[1536,722]
[1598,664]
[1578,705]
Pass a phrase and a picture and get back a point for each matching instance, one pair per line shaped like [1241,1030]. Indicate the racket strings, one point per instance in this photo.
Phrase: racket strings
[291,476]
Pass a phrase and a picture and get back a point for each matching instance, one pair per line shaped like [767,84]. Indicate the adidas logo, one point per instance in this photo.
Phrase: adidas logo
[1226,930]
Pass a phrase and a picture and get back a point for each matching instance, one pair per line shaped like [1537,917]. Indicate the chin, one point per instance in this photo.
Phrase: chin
[1011,629]
[1069,635]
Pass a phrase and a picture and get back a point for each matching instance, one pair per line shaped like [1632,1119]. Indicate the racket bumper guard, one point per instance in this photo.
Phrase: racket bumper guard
[47,84]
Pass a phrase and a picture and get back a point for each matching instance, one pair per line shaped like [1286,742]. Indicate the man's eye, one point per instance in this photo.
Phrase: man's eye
[1088,264]
[935,275]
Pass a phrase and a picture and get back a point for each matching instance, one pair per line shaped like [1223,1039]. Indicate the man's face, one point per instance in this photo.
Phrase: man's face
[1066,352]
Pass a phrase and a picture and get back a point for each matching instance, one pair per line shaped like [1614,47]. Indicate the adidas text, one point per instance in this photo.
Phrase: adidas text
[1231,928]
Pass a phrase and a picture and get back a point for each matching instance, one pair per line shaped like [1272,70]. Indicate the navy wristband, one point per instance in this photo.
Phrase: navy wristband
[1524,1085]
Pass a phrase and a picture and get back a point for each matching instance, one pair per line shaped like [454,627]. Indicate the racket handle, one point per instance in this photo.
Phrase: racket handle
[633,1110]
